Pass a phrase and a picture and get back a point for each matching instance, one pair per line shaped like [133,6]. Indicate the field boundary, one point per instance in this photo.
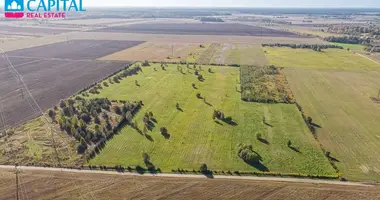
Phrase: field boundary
[313,130]
[253,178]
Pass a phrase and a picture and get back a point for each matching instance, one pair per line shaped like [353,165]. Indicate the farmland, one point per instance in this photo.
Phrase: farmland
[340,103]
[327,59]
[155,51]
[215,53]
[199,29]
[30,30]
[242,54]
[63,185]
[53,72]
[194,138]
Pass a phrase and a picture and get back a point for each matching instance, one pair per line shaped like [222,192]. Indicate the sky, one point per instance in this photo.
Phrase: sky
[233,3]
[237,3]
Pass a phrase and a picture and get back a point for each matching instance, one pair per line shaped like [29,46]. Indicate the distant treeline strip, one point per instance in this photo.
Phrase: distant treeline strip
[348,39]
[305,46]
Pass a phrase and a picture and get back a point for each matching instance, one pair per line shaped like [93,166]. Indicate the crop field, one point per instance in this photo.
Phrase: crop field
[195,138]
[327,59]
[52,73]
[242,54]
[340,103]
[31,30]
[63,185]
[199,29]
[75,49]
[153,51]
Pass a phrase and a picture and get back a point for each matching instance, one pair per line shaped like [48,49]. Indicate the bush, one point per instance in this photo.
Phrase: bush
[51,114]
[85,118]
[246,153]
[81,148]
[203,168]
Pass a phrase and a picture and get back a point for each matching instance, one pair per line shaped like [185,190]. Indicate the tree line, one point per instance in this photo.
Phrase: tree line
[372,30]
[349,39]
[315,47]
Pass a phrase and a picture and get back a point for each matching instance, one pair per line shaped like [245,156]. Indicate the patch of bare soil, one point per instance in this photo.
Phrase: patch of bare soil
[62,185]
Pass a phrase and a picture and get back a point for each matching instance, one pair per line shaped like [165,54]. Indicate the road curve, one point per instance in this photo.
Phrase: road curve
[255,178]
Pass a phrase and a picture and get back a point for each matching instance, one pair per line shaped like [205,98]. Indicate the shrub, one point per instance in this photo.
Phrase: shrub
[246,153]
[81,148]
[203,168]
[145,63]
[51,114]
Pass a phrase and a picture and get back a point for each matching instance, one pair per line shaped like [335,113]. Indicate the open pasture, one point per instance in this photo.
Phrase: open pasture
[62,185]
[199,29]
[327,59]
[154,51]
[241,54]
[339,102]
[195,138]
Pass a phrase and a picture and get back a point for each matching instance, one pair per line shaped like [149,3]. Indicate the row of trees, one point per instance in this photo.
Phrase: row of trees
[315,47]
[372,30]
[349,39]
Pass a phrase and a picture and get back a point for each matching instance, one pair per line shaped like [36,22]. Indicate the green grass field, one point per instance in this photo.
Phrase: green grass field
[241,54]
[353,47]
[195,138]
[339,101]
[327,59]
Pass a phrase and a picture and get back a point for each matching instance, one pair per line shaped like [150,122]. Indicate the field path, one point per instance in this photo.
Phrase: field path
[277,179]
[367,57]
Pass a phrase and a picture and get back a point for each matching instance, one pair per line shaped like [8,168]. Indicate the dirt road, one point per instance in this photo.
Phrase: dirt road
[277,179]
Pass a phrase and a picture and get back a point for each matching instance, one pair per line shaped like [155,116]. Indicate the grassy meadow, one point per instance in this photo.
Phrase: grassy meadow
[339,102]
[195,138]
[352,47]
[242,54]
[327,59]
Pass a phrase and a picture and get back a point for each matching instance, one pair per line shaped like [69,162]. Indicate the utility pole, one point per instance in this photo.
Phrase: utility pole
[172,50]
[16,172]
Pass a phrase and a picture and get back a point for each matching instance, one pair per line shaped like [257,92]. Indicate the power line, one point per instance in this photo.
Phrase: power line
[19,78]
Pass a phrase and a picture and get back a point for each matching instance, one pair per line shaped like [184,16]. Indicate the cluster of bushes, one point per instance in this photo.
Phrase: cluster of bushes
[92,121]
[246,153]
[315,47]
[120,168]
[183,62]
[228,172]
[348,39]
[263,84]
[209,19]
